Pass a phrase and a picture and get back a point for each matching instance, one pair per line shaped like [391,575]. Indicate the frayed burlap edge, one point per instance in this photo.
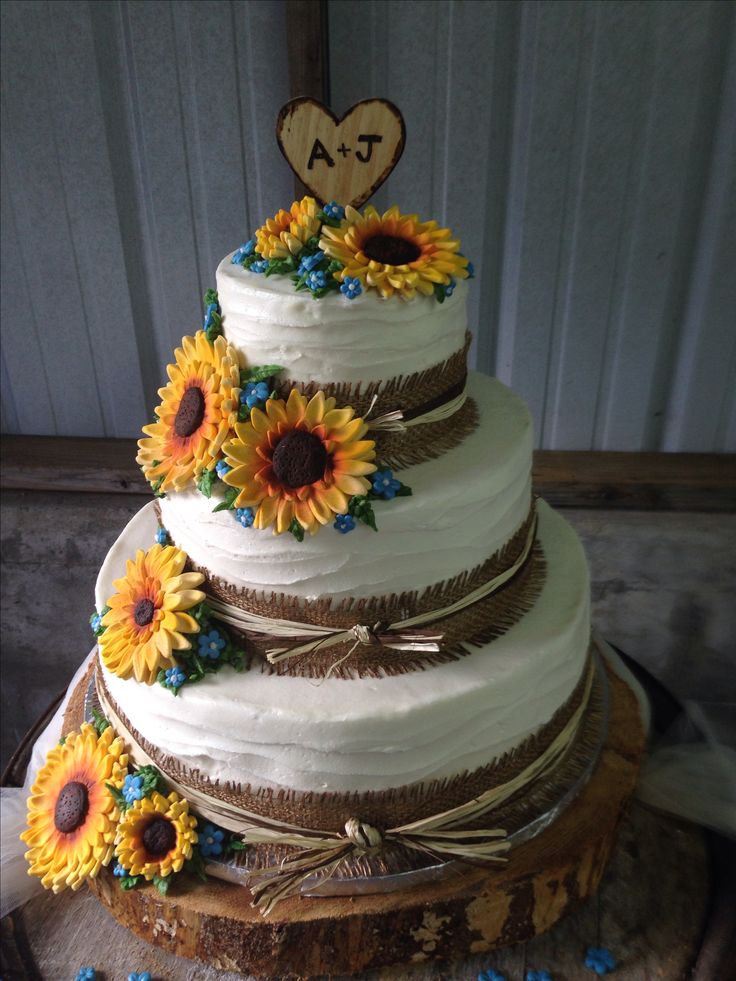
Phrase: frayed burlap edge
[477,624]
[401,805]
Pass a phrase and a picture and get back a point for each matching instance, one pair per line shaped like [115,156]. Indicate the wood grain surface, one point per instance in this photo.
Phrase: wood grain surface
[641,481]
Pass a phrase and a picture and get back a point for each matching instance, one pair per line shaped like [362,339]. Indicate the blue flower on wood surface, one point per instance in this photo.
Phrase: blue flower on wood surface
[86,974]
[254,394]
[351,287]
[245,516]
[210,840]
[221,468]
[600,960]
[132,788]
[491,975]
[119,871]
[211,645]
[310,262]
[143,976]
[316,281]
[385,484]
[344,523]
[538,976]
[334,210]
[162,536]
[174,678]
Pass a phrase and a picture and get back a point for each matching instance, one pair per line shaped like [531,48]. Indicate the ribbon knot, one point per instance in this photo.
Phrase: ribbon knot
[364,836]
[364,634]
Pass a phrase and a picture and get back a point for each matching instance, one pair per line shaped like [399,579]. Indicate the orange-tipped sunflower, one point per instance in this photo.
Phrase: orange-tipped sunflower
[197,411]
[394,253]
[288,231]
[72,816]
[155,836]
[146,621]
[301,459]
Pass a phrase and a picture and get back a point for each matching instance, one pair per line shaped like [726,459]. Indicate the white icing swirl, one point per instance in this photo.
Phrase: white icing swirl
[334,339]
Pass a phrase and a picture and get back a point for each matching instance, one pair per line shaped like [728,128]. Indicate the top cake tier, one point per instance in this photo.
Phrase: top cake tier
[334,340]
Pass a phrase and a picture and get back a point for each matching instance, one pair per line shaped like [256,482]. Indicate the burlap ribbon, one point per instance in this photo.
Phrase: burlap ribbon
[441,835]
[411,634]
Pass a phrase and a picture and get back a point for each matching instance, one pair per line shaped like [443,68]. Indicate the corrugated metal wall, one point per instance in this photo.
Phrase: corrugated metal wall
[584,150]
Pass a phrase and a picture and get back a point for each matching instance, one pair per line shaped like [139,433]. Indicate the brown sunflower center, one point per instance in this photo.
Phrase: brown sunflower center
[159,837]
[143,612]
[190,413]
[71,808]
[391,250]
[299,459]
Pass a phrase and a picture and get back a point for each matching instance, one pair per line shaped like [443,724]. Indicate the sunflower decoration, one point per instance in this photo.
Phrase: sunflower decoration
[147,620]
[156,836]
[288,232]
[198,408]
[394,253]
[299,462]
[72,813]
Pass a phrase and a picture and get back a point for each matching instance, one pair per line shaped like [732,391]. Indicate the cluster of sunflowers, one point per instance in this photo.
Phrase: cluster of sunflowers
[86,808]
[335,248]
[293,464]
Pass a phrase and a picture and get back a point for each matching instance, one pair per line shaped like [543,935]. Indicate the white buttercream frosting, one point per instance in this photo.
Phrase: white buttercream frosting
[334,339]
[465,506]
[372,733]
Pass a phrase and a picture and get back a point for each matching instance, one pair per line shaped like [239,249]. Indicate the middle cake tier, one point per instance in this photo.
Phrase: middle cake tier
[465,507]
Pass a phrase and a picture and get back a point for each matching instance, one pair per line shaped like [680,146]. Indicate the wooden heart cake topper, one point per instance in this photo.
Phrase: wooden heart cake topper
[344,160]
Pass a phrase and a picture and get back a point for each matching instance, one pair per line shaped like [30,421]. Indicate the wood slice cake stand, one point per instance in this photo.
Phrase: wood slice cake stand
[479,910]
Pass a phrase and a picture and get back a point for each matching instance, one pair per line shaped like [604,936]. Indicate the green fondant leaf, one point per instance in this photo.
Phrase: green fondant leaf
[162,883]
[130,881]
[404,491]
[296,529]
[117,796]
[228,504]
[206,482]
[362,509]
[195,865]
[99,721]
[210,297]
[259,372]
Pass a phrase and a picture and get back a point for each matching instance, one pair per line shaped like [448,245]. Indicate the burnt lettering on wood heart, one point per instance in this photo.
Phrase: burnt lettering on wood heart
[344,160]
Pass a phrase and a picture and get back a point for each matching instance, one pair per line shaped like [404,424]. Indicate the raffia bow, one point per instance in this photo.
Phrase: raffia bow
[410,634]
[394,422]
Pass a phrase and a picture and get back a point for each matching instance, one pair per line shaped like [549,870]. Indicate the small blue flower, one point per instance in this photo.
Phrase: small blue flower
[212,308]
[351,287]
[245,516]
[259,266]
[254,393]
[143,976]
[600,960]
[210,840]
[132,788]
[334,210]
[95,622]
[162,536]
[344,523]
[385,484]
[175,677]
[246,249]
[538,976]
[450,288]
[491,975]
[211,644]
[119,871]
[316,281]
[86,974]
[310,262]
[221,468]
